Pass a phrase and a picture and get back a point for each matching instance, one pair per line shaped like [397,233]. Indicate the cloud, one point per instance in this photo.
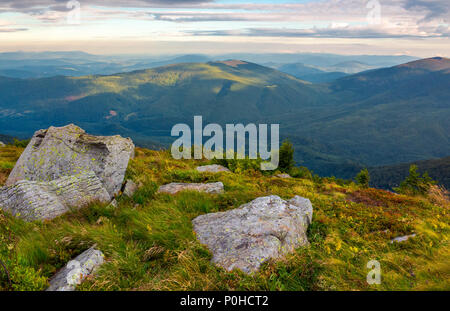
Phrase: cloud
[183,16]
[6,26]
[434,9]
[12,29]
[333,31]
[405,13]
[347,18]
[32,5]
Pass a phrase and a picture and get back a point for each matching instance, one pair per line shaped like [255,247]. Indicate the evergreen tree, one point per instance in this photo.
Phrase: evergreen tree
[286,156]
[363,178]
[414,184]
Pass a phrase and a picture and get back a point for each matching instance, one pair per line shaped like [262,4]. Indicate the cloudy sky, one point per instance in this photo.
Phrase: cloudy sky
[414,27]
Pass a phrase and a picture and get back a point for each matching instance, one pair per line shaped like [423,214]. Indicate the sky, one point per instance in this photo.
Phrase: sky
[386,27]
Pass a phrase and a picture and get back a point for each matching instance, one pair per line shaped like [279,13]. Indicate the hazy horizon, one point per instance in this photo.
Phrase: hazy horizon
[200,53]
[156,27]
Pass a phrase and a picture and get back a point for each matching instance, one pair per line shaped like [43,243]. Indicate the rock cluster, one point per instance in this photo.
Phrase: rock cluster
[174,188]
[267,227]
[76,270]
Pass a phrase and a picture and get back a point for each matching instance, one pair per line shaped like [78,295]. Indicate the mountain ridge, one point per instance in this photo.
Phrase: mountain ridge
[347,123]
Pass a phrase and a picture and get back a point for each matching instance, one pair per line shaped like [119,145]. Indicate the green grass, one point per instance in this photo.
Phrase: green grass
[8,157]
[149,243]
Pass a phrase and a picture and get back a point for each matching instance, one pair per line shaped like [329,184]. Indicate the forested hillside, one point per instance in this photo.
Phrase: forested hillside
[379,117]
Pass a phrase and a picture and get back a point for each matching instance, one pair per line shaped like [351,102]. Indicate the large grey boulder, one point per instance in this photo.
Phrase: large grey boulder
[174,188]
[33,200]
[68,150]
[214,168]
[244,238]
[76,271]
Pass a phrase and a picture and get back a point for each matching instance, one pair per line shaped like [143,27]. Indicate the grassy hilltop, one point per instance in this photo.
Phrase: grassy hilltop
[149,243]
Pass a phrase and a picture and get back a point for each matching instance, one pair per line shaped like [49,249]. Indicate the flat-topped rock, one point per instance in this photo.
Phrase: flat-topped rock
[214,168]
[244,238]
[33,200]
[76,271]
[68,150]
[283,175]
[173,188]
[404,238]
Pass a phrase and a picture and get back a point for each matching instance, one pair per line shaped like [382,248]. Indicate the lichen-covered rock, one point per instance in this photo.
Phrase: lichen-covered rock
[33,200]
[267,227]
[214,168]
[76,270]
[130,188]
[174,188]
[68,150]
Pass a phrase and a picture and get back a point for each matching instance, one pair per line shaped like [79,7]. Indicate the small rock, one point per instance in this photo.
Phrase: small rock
[76,271]
[173,188]
[284,175]
[214,168]
[68,150]
[32,200]
[130,188]
[101,220]
[402,238]
[2,144]
[113,204]
[244,238]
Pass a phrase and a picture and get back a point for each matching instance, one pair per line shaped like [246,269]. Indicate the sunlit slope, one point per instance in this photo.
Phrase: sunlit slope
[154,99]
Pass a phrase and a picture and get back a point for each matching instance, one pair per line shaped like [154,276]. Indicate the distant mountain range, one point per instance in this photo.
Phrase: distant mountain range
[377,117]
[48,64]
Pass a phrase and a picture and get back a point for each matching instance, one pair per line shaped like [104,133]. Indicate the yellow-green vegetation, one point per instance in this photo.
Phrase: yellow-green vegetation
[171,75]
[149,243]
[8,157]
